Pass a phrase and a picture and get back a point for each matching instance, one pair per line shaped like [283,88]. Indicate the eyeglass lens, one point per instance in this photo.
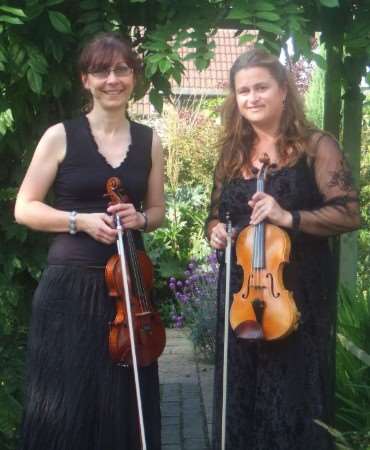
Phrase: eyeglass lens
[119,71]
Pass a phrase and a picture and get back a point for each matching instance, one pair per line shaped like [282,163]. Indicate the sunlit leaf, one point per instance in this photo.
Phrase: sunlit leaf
[15,11]
[11,19]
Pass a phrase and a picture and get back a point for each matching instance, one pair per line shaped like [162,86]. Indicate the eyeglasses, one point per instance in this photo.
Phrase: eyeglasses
[119,71]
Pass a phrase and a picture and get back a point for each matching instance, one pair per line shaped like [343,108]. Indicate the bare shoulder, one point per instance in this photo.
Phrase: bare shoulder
[156,145]
[53,143]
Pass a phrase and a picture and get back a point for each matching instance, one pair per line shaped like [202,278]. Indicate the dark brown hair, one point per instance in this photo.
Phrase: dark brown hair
[102,51]
[238,134]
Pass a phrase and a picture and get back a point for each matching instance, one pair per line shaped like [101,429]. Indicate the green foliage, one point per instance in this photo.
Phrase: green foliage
[353,368]
[314,97]
[190,141]
[352,431]
[181,237]
[364,234]
[196,293]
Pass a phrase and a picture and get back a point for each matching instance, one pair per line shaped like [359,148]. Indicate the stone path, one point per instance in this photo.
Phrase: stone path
[186,395]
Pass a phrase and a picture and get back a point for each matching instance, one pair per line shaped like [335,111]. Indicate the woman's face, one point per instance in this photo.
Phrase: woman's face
[110,87]
[259,97]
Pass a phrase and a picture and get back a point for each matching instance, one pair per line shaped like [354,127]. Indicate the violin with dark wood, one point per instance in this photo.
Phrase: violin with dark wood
[263,308]
[149,331]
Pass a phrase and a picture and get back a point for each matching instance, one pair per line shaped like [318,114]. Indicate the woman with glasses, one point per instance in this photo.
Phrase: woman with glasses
[277,389]
[76,397]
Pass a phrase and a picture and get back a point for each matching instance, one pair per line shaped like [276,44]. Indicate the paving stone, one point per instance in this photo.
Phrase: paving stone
[184,406]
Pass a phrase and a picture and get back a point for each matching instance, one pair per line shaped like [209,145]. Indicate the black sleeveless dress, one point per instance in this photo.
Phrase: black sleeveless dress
[76,398]
[278,389]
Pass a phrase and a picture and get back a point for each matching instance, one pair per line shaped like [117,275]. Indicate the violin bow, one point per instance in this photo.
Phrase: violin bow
[226,329]
[122,257]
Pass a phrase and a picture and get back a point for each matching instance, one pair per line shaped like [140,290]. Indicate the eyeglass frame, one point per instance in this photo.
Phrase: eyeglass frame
[103,74]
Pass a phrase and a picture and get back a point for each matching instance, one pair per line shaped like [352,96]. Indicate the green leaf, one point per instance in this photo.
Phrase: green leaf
[156,99]
[150,70]
[137,1]
[37,60]
[15,11]
[356,351]
[57,49]
[201,63]
[319,60]
[60,22]
[238,12]
[34,81]
[89,4]
[164,65]
[330,3]
[269,27]
[176,75]
[11,19]
[267,16]
[54,2]
[246,38]
[265,6]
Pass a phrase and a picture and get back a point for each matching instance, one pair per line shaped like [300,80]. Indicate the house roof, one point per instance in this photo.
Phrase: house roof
[212,81]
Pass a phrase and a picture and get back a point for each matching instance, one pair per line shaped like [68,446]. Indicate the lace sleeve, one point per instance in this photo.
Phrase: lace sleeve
[340,210]
[213,214]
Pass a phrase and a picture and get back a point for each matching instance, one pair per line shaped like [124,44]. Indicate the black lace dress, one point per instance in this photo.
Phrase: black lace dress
[277,389]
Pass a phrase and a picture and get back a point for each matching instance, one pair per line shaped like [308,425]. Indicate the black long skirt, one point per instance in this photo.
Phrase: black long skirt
[76,398]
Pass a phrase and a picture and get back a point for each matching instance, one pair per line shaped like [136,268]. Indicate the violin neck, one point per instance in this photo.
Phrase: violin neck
[259,236]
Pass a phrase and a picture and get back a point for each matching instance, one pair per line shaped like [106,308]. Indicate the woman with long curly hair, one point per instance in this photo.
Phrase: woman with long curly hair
[278,389]
[77,398]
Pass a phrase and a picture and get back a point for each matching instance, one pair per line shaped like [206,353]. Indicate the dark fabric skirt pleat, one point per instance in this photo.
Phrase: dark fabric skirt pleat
[76,398]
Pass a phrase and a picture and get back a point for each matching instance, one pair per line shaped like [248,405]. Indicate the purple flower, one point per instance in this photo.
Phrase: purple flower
[172,286]
[172,280]
[179,284]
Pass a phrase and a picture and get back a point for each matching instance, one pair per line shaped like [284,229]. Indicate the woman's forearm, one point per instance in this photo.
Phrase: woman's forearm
[40,216]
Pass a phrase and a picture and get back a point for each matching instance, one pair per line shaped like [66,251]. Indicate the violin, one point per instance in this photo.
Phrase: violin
[148,329]
[263,308]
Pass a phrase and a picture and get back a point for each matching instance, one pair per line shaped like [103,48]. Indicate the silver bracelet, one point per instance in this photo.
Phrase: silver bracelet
[145,226]
[72,228]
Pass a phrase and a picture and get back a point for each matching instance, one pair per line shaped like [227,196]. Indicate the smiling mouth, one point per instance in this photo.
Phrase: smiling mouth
[112,92]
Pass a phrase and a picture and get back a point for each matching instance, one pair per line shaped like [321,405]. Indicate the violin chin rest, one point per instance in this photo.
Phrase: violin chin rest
[249,329]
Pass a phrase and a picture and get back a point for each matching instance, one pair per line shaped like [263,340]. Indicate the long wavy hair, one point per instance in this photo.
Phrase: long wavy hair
[238,135]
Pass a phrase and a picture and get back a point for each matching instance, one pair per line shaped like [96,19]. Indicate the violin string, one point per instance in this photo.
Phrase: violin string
[136,271]
[133,268]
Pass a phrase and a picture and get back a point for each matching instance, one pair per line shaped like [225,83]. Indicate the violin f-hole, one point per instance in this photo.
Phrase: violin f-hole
[269,276]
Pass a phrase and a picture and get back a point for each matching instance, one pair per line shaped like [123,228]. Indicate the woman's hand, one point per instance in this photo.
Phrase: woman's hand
[130,218]
[266,207]
[100,226]
[218,236]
